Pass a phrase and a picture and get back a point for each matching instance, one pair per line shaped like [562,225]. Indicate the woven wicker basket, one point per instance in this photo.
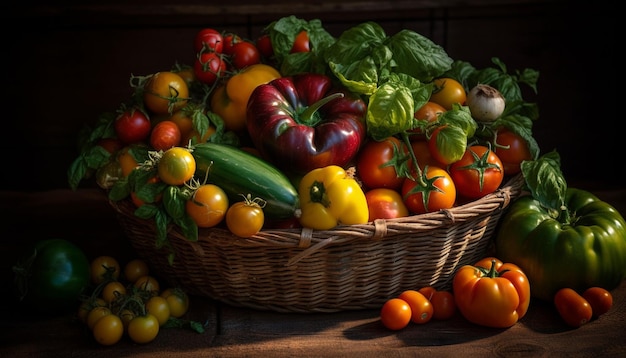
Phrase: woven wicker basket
[346,268]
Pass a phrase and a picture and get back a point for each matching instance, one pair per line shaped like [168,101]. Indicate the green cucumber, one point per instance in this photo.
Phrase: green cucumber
[238,173]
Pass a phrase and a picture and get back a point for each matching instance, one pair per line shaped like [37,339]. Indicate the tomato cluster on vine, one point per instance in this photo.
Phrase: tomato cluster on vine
[131,302]
[219,53]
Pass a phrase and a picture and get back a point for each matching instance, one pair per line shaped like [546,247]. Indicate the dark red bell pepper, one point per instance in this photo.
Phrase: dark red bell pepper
[304,122]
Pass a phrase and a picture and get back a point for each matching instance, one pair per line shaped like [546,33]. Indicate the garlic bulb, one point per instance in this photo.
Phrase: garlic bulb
[485,103]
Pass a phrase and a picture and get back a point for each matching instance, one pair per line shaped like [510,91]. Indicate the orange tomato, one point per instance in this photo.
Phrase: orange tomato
[421,308]
[447,92]
[395,314]
[572,307]
[600,300]
[208,205]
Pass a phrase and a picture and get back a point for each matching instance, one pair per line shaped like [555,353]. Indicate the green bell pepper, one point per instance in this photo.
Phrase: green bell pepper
[578,241]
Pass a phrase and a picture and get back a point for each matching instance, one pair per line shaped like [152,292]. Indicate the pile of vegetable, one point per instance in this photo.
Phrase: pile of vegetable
[299,128]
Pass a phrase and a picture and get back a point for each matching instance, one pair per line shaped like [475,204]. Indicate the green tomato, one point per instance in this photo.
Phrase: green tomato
[51,276]
[588,249]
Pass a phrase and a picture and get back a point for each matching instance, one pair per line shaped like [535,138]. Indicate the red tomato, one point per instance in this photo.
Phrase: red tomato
[208,67]
[478,173]
[384,203]
[229,41]
[375,163]
[245,54]
[512,150]
[165,135]
[573,308]
[600,300]
[132,126]
[442,198]
[395,314]
[301,43]
[448,91]
[208,40]
[421,308]
[423,155]
[264,44]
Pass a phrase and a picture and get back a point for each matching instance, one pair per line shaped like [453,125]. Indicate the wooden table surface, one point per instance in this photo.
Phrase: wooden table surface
[85,218]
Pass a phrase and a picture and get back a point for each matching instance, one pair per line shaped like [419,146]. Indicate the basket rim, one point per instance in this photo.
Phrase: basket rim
[377,229]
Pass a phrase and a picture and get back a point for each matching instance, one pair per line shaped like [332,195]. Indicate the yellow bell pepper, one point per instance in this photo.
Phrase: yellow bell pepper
[330,196]
[230,100]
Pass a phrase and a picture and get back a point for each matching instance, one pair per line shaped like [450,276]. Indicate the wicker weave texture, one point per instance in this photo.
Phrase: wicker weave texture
[346,268]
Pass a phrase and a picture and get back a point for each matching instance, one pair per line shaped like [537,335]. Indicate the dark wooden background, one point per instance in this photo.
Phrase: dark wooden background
[68,61]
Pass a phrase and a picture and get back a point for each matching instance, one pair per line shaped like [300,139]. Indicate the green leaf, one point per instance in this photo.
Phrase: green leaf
[545,181]
[451,142]
[390,111]
[174,202]
[418,56]
[461,117]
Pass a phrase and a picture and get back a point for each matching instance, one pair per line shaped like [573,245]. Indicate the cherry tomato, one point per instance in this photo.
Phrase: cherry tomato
[178,300]
[135,269]
[245,218]
[126,315]
[112,291]
[384,203]
[443,303]
[148,283]
[108,330]
[143,329]
[512,151]
[573,308]
[208,40]
[264,44]
[86,307]
[301,43]
[96,314]
[375,163]
[208,205]
[245,54]
[421,308]
[176,166]
[186,73]
[183,121]
[209,67]
[132,126]
[104,268]
[600,300]
[395,314]
[165,92]
[159,308]
[126,160]
[229,41]
[442,198]
[448,91]
[165,135]
[194,137]
[478,173]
